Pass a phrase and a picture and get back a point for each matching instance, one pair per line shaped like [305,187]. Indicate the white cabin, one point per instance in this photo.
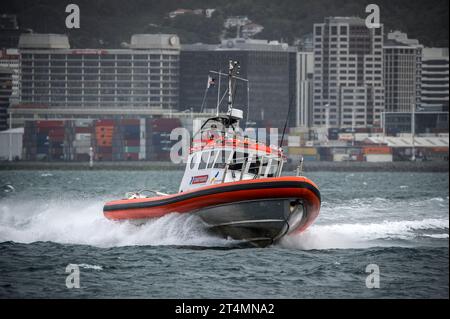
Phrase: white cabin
[220,155]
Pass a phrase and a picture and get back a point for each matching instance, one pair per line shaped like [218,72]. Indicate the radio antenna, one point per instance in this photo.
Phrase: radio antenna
[287,119]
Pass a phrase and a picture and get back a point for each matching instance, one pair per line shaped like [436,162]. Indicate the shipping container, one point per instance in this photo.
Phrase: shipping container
[83,136]
[311,157]
[48,124]
[131,149]
[302,150]
[104,149]
[377,150]
[104,123]
[135,142]
[378,158]
[163,124]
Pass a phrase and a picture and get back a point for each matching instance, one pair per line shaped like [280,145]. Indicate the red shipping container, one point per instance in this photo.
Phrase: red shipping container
[50,123]
[164,125]
[104,129]
[104,123]
[45,130]
[377,150]
[84,130]
[56,133]
[104,137]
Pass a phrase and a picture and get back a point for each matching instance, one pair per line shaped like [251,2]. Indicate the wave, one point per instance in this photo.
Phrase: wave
[82,222]
[387,233]
[87,266]
[78,222]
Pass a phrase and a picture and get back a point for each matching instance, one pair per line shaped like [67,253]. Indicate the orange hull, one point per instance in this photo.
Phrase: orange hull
[215,195]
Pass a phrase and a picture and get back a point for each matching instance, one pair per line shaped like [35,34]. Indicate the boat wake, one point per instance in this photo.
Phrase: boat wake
[384,234]
[82,222]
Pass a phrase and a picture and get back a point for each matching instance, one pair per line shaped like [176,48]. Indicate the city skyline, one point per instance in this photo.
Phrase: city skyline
[346,77]
[362,111]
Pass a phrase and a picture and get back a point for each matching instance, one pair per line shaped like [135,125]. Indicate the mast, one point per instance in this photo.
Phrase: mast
[218,96]
[233,69]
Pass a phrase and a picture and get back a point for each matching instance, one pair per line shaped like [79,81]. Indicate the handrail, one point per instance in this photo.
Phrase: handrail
[225,172]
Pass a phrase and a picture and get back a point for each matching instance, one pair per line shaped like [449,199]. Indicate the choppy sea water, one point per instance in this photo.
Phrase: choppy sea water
[397,221]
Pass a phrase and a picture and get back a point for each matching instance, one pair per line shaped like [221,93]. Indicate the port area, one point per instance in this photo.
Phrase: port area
[313,166]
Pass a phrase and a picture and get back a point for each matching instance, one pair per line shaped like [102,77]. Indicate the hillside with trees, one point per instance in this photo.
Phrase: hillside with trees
[110,23]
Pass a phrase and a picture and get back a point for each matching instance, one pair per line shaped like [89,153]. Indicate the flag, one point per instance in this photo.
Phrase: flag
[211,82]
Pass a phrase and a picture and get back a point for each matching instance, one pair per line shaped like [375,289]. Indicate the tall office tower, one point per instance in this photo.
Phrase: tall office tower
[5,94]
[348,73]
[402,72]
[9,88]
[270,68]
[435,84]
[305,74]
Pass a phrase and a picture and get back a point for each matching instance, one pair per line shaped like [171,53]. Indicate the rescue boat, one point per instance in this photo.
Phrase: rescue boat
[234,184]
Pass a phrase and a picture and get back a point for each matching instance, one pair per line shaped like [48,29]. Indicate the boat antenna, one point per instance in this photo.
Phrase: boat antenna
[218,95]
[233,69]
[287,119]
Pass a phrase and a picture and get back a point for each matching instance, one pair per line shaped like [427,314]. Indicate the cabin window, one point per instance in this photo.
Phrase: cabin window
[203,160]
[211,159]
[238,160]
[273,168]
[194,160]
[263,170]
[254,166]
[222,159]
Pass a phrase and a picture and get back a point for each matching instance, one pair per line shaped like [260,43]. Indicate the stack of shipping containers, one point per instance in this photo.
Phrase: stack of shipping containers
[158,143]
[110,139]
[44,140]
[104,130]
[298,149]
[81,140]
[131,139]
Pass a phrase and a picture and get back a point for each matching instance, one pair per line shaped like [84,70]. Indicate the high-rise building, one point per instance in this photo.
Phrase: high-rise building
[270,68]
[435,83]
[9,91]
[143,76]
[348,73]
[402,72]
[5,94]
[305,74]
[9,58]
